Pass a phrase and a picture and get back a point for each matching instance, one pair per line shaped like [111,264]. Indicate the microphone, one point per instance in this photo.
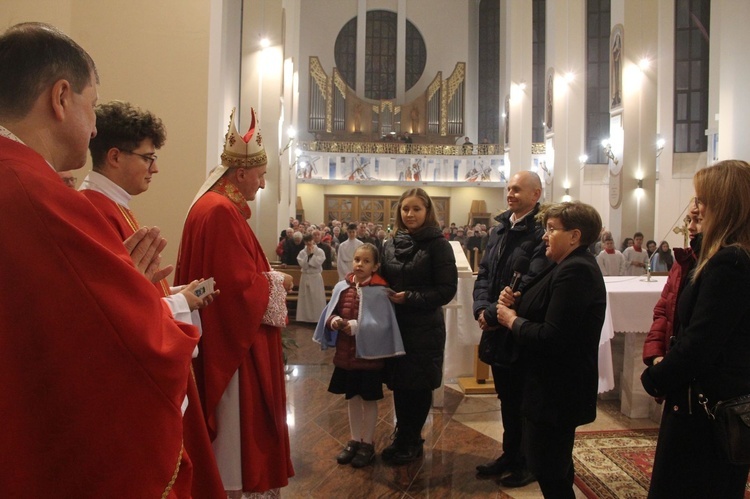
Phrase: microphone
[520,267]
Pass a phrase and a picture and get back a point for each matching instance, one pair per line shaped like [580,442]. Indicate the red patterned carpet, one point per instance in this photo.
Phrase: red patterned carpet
[615,464]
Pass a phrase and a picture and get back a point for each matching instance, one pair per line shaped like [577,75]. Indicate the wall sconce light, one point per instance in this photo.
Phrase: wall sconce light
[566,198]
[292,133]
[583,158]
[607,145]
[640,183]
[660,143]
[265,42]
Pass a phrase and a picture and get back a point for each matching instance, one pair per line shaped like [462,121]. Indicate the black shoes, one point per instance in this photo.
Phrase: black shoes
[402,453]
[389,452]
[496,467]
[365,455]
[518,478]
[409,452]
[346,455]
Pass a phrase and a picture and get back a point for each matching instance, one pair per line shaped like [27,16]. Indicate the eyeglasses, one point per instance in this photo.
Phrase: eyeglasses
[552,230]
[70,181]
[150,158]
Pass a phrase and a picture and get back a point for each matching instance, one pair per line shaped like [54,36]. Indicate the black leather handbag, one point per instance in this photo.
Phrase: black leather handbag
[732,426]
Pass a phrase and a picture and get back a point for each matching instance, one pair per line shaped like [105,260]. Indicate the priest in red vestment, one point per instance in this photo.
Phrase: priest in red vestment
[240,367]
[94,369]
[124,161]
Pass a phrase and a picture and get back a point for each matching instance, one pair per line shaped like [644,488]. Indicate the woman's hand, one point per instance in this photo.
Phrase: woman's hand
[505,315]
[399,297]
[508,297]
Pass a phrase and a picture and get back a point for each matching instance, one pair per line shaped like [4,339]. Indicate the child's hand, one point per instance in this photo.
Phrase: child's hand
[346,328]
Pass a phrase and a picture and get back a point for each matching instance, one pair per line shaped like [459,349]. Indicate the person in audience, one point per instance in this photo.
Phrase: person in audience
[380,239]
[325,246]
[292,247]
[94,369]
[345,253]
[123,154]
[650,247]
[665,312]
[363,234]
[517,235]
[68,179]
[285,234]
[626,243]
[312,291]
[662,259]
[335,237]
[636,260]
[419,265]
[359,362]
[240,367]
[460,237]
[556,323]
[709,358]
[610,260]
[473,246]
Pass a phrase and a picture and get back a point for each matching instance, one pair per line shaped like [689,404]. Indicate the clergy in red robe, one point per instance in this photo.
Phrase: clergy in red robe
[94,369]
[124,163]
[240,367]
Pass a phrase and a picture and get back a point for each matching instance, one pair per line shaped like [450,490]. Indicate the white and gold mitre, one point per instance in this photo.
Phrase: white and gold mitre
[243,151]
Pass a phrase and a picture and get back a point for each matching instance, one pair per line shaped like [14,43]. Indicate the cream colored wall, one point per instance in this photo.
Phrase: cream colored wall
[155,55]
[460,198]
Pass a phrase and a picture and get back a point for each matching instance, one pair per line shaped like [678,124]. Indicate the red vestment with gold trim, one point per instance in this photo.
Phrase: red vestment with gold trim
[218,242]
[94,369]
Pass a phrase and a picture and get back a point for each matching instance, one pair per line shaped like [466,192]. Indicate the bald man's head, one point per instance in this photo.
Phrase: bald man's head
[524,191]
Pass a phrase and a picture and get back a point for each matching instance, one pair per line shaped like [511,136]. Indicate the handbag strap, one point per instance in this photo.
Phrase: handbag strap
[703,400]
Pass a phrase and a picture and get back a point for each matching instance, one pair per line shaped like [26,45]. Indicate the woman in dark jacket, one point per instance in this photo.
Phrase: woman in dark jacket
[711,351]
[556,326]
[420,267]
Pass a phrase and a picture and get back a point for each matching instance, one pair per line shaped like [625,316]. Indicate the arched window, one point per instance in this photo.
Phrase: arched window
[489,71]
[538,59]
[380,54]
[692,21]
[598,26]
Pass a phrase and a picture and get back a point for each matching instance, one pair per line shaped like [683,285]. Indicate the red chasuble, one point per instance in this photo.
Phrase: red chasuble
[218,242]
[206,480]
[94,370]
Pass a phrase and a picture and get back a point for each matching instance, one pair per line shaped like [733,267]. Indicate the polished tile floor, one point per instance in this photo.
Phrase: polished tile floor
[463,433]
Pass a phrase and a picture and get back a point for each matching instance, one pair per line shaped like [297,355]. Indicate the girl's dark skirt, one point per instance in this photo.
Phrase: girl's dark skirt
[366,384]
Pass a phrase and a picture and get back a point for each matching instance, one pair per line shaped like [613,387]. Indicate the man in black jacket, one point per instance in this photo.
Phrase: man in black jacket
[518,234]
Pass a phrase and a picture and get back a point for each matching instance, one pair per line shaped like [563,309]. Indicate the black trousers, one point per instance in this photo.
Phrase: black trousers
[412,408]
[549,454]
[509,388]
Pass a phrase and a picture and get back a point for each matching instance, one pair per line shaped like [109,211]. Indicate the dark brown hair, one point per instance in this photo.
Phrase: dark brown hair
[33,56]
[430,218]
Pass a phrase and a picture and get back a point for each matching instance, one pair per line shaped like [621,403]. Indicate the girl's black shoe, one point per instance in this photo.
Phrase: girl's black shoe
[346,455]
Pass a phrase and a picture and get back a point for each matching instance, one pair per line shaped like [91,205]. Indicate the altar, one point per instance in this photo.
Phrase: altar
[630,310]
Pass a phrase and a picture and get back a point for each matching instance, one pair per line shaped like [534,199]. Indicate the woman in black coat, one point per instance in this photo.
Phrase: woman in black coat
[556,326]
[419,266]
[711,350]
